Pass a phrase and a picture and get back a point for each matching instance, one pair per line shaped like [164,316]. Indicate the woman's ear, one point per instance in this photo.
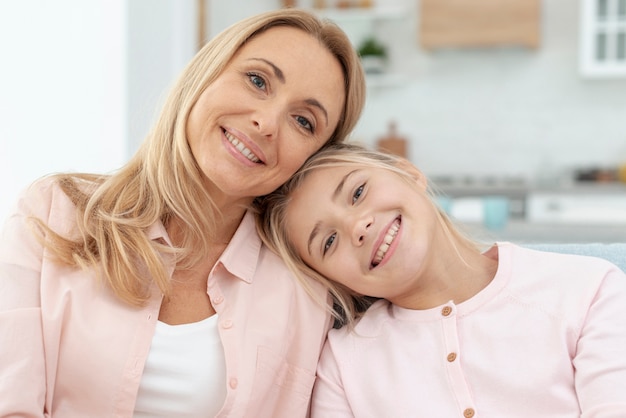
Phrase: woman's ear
[413,171]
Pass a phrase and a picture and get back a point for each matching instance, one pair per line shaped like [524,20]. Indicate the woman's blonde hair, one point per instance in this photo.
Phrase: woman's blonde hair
[274,230]
[162,180]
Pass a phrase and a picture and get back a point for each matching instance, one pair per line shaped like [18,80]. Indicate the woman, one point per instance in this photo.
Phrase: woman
[148,292]
[508,332]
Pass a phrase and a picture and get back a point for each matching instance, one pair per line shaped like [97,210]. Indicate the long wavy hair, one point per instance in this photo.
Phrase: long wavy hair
[274,230]
[162,180]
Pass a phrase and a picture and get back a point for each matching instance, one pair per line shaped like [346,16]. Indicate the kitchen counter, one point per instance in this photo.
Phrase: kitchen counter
[521,231]
[577,212]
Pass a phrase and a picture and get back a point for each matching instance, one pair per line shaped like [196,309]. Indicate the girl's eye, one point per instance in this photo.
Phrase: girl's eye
[357,193]
[305,123]
[257,80]
[329,243]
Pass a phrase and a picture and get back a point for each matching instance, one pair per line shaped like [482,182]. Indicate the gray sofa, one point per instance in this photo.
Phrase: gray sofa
[615,252]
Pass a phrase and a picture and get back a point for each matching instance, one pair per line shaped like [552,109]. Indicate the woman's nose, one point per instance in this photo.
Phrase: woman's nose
[266,121]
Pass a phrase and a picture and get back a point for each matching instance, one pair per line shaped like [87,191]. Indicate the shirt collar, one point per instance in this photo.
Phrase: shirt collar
[240,256]
[242,253]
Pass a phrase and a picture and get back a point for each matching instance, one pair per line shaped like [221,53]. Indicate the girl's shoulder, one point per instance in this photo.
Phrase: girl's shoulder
[368,325]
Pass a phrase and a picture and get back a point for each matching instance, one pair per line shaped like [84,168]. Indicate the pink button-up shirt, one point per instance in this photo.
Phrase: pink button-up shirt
[70,348]
[545,339]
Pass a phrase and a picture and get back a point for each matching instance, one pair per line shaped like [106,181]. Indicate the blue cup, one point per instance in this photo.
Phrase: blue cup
[444,203]
[495,212]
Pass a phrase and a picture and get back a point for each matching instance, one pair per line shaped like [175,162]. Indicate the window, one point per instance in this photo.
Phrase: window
[603,38]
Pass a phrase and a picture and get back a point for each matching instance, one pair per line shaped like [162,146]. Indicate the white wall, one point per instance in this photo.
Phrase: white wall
[81,81]
[62,89]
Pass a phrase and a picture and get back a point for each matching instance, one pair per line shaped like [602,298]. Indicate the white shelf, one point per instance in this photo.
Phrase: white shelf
[362,14]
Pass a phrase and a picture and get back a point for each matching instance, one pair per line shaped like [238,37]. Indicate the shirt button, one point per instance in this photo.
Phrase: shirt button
[218,299]
[446,311]
[451,357]
[233,383]
[227,324]
[468,413]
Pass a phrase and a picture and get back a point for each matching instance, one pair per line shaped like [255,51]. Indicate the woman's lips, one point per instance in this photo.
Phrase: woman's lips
[386,241]
[239,145]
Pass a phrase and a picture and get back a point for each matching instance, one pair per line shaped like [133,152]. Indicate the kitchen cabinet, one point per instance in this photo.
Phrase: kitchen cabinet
[479,23]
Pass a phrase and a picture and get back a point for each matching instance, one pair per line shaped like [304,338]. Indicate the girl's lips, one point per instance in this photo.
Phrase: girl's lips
[243,146]
[386,243]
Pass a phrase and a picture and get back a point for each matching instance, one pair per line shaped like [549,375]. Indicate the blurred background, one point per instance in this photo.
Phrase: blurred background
[523,101]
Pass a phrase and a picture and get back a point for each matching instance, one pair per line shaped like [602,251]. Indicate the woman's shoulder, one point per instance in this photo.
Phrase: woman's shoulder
[50,198]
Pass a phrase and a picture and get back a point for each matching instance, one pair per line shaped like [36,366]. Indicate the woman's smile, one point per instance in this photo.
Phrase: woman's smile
[241,147]
[274,112]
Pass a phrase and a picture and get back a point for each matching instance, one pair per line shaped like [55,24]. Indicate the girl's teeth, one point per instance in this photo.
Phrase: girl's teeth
[241,148]
[389,237]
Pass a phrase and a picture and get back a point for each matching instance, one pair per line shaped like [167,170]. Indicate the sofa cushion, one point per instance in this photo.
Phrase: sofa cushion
[614,252]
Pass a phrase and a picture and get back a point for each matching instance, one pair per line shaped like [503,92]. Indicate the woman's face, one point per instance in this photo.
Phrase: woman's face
[366,228]
[276,103]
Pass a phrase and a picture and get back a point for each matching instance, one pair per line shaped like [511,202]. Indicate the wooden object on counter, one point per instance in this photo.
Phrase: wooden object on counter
[393,143]
[479,23]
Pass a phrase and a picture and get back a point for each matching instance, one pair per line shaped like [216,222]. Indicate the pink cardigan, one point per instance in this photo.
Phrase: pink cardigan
[545,339]
[70,348]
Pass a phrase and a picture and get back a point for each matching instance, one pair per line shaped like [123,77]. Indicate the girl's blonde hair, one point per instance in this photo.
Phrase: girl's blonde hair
[274,230]
[162,180]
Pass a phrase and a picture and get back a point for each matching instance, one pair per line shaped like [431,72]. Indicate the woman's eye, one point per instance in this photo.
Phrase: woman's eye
[329,243]
[257,80]
[357,193]
[305,123]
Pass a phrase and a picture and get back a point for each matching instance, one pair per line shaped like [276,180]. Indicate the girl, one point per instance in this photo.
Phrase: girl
[458,331]
[148,292]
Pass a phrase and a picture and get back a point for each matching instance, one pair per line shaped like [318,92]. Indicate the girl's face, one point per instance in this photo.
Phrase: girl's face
[277,102]
[366,228]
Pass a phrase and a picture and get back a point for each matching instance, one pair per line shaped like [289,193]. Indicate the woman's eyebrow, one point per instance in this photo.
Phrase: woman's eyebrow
[281,77]
[277,71]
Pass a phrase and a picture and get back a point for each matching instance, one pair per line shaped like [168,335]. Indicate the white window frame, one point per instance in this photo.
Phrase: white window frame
[613,26]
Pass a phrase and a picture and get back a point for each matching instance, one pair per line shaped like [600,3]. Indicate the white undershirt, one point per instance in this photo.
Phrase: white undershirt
[185,372]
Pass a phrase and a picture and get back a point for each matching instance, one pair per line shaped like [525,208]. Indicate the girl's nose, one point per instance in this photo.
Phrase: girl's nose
[361,228]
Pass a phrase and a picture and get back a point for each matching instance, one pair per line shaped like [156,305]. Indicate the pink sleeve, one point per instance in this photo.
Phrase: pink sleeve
[329,399]
[600,360]
[22,366]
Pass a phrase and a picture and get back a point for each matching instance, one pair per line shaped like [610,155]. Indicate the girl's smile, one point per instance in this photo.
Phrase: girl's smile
[388,243]
[368,228]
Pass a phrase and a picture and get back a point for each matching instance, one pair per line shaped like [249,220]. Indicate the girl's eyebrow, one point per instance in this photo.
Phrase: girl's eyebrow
[339,187]
[336,193]
[316,230]
[281,77]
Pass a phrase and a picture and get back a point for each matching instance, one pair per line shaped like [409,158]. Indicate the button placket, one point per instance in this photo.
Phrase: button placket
[453,367]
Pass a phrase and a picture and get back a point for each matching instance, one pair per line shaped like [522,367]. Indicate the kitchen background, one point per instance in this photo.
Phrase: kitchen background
[521,115]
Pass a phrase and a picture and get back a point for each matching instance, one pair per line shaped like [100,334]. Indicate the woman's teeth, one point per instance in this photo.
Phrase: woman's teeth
[389,237]
[241,148]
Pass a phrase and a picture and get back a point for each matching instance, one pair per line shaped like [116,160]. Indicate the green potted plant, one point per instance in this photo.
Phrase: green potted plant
[373,55]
